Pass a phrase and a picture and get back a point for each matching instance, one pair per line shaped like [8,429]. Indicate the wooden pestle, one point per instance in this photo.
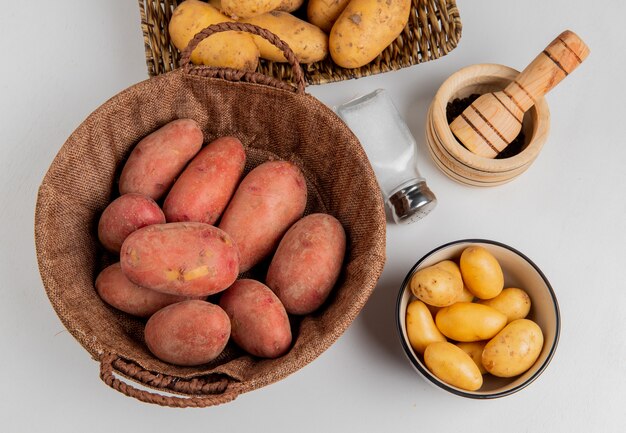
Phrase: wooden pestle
[493,120]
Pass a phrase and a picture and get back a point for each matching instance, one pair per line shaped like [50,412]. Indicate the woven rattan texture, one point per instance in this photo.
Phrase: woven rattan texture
[434,29]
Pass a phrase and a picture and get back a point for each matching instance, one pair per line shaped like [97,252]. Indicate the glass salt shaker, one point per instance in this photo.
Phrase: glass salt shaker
[391,150]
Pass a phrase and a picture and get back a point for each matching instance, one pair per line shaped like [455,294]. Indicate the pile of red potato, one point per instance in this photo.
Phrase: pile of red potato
[212,226]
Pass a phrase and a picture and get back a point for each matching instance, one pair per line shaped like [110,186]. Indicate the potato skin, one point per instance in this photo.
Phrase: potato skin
[248,8]
[121,293]
[453,366]
[308,42]
[188,259]
[514,349]
[228,49]
[324,13]
[203,190]
[266,203]
[512,302]
[159,157]
[260,324]
[436,286]
[481,272]
[420,327]
[467,321]
[475,351]
[188,333]
[365,28]
[307,263]
[124,215]
[290,5]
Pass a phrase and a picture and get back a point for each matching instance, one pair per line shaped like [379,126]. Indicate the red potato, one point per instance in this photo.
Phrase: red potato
[307,263]
[159,157]
[121,293]
[188,333]
[259,322]
[203,190]
[187,259]
[124,215]
[267,202]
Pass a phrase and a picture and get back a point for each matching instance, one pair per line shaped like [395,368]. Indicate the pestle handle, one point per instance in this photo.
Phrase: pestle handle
[556,62]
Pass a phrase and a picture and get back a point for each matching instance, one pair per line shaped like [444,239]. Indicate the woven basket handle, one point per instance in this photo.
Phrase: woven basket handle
[210,393]
[236,74]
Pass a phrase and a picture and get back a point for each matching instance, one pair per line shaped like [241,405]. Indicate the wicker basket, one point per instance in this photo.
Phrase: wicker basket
[434,29]
[82,180]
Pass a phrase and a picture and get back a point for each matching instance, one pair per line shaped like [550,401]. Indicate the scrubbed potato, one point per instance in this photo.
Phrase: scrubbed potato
[260,324]
[324,13]
[121,293]
[453,366]
[475,351]
[420,327]
[308,42]
[158,158]
[307,263]
[290,5]
[436,286]
[266,203]
[203,190]
[249,8]
[481,272]
[466,321]
[365,28]
[514,349]
[227,49]
[188,333]
[512,302]
[188,259]
[124,215]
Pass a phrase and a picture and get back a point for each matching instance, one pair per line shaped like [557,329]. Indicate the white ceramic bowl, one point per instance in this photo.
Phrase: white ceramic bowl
[519,271]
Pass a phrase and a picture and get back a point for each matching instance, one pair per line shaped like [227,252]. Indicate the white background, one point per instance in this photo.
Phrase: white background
[61,59]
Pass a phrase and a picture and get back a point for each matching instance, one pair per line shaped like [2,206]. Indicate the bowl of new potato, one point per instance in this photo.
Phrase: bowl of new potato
[478,318]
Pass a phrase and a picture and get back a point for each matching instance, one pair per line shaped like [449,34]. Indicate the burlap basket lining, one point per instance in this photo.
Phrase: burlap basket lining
[272,123]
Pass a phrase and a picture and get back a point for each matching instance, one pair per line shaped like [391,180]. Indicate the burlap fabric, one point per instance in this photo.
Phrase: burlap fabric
[273,123]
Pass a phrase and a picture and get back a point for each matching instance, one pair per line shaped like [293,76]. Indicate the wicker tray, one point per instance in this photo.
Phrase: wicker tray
[434,29]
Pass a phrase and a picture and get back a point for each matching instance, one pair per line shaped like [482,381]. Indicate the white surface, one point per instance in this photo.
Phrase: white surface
[64,58]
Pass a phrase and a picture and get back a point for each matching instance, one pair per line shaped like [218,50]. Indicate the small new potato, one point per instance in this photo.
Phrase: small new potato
[227,49]
[513,302]
[475,350]
[365,28]
[453,366]
[188,333]
[467,321]
[481,272]
[420,327]
[514,349]
[436,286]
[308,42]
[260,324]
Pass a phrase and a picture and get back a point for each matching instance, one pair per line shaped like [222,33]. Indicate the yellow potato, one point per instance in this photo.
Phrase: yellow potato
[420,327]
[481,272]
[324,13]
[514,349]
[450,266]
[436,286]
[475,351]
[228,49]
[453,366]
[238,9]
[466,321]
[308,42]
[513,302]
[365,28]
[290,5]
